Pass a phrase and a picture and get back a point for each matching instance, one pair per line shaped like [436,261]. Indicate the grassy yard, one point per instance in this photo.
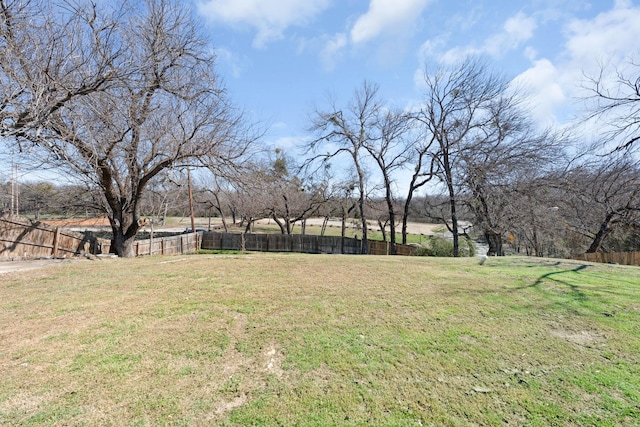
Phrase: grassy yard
[373,233]
[288,339]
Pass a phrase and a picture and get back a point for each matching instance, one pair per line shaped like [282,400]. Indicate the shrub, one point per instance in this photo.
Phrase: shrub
[442,247]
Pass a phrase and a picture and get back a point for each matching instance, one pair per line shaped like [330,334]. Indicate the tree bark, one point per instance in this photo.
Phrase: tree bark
[495,243]
[121,245]
[603,232]
[452,204]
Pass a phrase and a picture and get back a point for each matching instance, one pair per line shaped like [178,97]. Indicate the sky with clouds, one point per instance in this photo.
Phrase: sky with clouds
[279,58]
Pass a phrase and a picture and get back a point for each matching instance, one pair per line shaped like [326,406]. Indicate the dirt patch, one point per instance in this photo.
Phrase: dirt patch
[233,404]
[580,337]
[99,221]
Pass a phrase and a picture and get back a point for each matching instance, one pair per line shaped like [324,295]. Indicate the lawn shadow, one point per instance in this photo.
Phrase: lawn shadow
[579,294]
[545,276]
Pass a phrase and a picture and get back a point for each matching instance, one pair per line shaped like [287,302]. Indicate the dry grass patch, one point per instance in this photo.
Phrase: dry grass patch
[282,339]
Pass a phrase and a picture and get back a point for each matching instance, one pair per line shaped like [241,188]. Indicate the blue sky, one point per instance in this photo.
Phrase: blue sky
[280,57]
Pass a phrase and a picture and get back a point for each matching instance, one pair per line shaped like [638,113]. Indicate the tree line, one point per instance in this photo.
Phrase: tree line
[124,98]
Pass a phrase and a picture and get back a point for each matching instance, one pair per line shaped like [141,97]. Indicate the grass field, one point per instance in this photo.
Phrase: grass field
[287,339]
[314,227]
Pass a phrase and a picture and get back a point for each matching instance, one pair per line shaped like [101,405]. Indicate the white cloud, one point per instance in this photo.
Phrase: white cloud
[228,58]
[544,84]
[269,19]
[516,30]
[386,16]
[392,18]
[608,39]
[331,51]
[610,36]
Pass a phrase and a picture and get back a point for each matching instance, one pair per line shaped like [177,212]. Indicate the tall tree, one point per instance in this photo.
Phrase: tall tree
[425,169]
[503,155]
[454,108]
[114,96]
[346,132]
[390,150]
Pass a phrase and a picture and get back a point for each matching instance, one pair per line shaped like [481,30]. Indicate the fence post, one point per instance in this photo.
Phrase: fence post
[56,237]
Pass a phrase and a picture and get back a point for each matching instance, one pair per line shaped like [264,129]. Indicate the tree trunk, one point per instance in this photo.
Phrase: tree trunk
[218,207]
[452,203]
[281,224]
[224,222]
[125,223]
[383,229]
[405,216]
[495,243]
[343,230]
[603,232]
[363,217]
[249,225]
[324,225]
[454,222]
[392,220]
[121,245]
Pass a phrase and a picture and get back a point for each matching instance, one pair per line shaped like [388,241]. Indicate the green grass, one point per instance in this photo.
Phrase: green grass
[289,339]
[372,234]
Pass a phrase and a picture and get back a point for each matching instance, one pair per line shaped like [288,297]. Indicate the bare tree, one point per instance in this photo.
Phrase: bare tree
[289,199]
[390,150]
[454,108]
[114,96]
[615,100]
[217,194]
[349,130]
[603,197]
[504,155]
[425,167]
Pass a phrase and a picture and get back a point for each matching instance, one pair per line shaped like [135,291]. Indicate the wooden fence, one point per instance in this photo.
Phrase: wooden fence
[23,239]
[172,245]
[19,238]
[624,258]
[297,243]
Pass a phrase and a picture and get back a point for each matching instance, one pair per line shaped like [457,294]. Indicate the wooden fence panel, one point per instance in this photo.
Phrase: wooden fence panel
[35,240]
[19,238]
[25,239]
[295,243]
[172,245]
[624,258]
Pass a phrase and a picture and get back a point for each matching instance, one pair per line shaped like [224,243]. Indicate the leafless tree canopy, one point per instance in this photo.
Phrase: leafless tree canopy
[616,103]
[114,95]
[347,131]
[454,112]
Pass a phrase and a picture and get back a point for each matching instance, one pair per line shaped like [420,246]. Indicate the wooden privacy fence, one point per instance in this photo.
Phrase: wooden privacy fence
[19,238]
[297,243]
[172,245]
[624,258]
[24,239]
